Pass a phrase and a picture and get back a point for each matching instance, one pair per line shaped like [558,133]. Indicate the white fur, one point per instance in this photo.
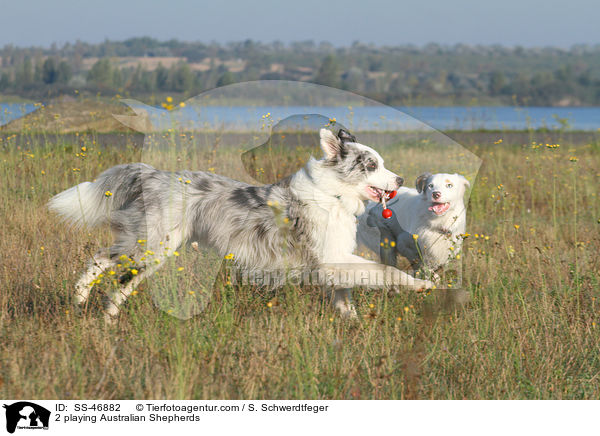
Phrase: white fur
[81,205]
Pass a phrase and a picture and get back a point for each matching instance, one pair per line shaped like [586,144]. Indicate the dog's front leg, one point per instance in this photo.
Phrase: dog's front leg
[387,251]
[406,245]
[357,271]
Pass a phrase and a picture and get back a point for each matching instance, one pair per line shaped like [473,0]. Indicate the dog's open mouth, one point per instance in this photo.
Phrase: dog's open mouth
[439,208]
[377,194]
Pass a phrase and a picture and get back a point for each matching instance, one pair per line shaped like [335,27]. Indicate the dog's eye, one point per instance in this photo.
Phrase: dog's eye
[371,165]
[449,185]
[430,186]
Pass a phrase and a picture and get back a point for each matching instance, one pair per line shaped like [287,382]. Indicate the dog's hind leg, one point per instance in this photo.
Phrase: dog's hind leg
[97,264]
[342,301]
[118,297]
[159,254]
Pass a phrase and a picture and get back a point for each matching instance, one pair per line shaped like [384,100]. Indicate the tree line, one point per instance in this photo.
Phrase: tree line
[404,74]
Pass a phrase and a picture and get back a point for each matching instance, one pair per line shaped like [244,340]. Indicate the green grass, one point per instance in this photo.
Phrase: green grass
[4,98]
[524,327]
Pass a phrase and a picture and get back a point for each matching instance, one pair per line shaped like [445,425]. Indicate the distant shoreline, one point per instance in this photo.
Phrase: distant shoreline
[80,115]
[155,100]
[469,139]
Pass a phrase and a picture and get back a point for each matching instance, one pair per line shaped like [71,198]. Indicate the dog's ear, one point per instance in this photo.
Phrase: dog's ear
[332,146]
[346,136]
[421,182]
[463,180]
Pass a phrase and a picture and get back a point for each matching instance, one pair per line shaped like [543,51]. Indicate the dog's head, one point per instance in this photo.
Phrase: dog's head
[442,191]
[358,168]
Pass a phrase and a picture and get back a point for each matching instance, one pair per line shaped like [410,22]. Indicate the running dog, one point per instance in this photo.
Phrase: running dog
[434,212]
[320,202]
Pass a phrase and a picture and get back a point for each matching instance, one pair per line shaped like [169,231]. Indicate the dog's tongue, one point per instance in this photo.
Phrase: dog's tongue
[439,208]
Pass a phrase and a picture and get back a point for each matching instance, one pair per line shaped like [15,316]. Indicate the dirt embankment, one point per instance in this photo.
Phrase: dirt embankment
[68,115]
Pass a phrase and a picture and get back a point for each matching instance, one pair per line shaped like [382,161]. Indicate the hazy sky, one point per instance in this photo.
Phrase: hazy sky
[507,22]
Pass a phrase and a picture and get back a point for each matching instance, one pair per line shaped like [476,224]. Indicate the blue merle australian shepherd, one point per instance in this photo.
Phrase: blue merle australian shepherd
[320,202]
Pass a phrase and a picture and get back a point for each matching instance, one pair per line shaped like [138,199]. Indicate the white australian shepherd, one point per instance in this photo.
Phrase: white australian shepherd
[434,212]
[319,203]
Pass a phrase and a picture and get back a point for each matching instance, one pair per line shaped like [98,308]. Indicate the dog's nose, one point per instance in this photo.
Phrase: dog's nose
[399,181]
[436,194]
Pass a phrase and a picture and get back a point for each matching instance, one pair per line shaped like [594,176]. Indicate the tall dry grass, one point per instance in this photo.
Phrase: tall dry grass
[530,264]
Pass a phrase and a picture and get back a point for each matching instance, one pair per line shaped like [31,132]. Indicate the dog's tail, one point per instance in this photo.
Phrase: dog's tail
[91,203]
[81,205]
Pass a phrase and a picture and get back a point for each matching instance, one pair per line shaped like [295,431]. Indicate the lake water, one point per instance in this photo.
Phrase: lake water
[379,118]
[11,111]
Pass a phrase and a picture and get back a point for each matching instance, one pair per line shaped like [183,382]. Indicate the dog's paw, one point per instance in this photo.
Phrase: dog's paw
[394,289]
[346,310]
[418,285]
[426,284]
[110,319]
[78,309]
[80,297]
[431,275]
[349,313]
[423,285]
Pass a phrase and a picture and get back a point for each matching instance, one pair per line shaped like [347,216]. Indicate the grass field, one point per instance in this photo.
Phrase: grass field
[528,330]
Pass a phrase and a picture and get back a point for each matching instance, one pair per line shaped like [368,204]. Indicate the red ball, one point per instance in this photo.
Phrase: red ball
[391,195]
[387,213]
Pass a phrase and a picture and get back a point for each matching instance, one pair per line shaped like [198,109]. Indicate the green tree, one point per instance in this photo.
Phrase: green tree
[117,78]
[162,77]
[354,80]
[4,81]
[328,73]
[49,71]
[37,75]
[27,78]
[135,79]
[226,79]
[101,73]
[182,78]
[497,82]
[63,72]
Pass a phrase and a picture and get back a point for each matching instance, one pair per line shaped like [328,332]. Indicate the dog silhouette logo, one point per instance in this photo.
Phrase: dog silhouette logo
[26,415]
